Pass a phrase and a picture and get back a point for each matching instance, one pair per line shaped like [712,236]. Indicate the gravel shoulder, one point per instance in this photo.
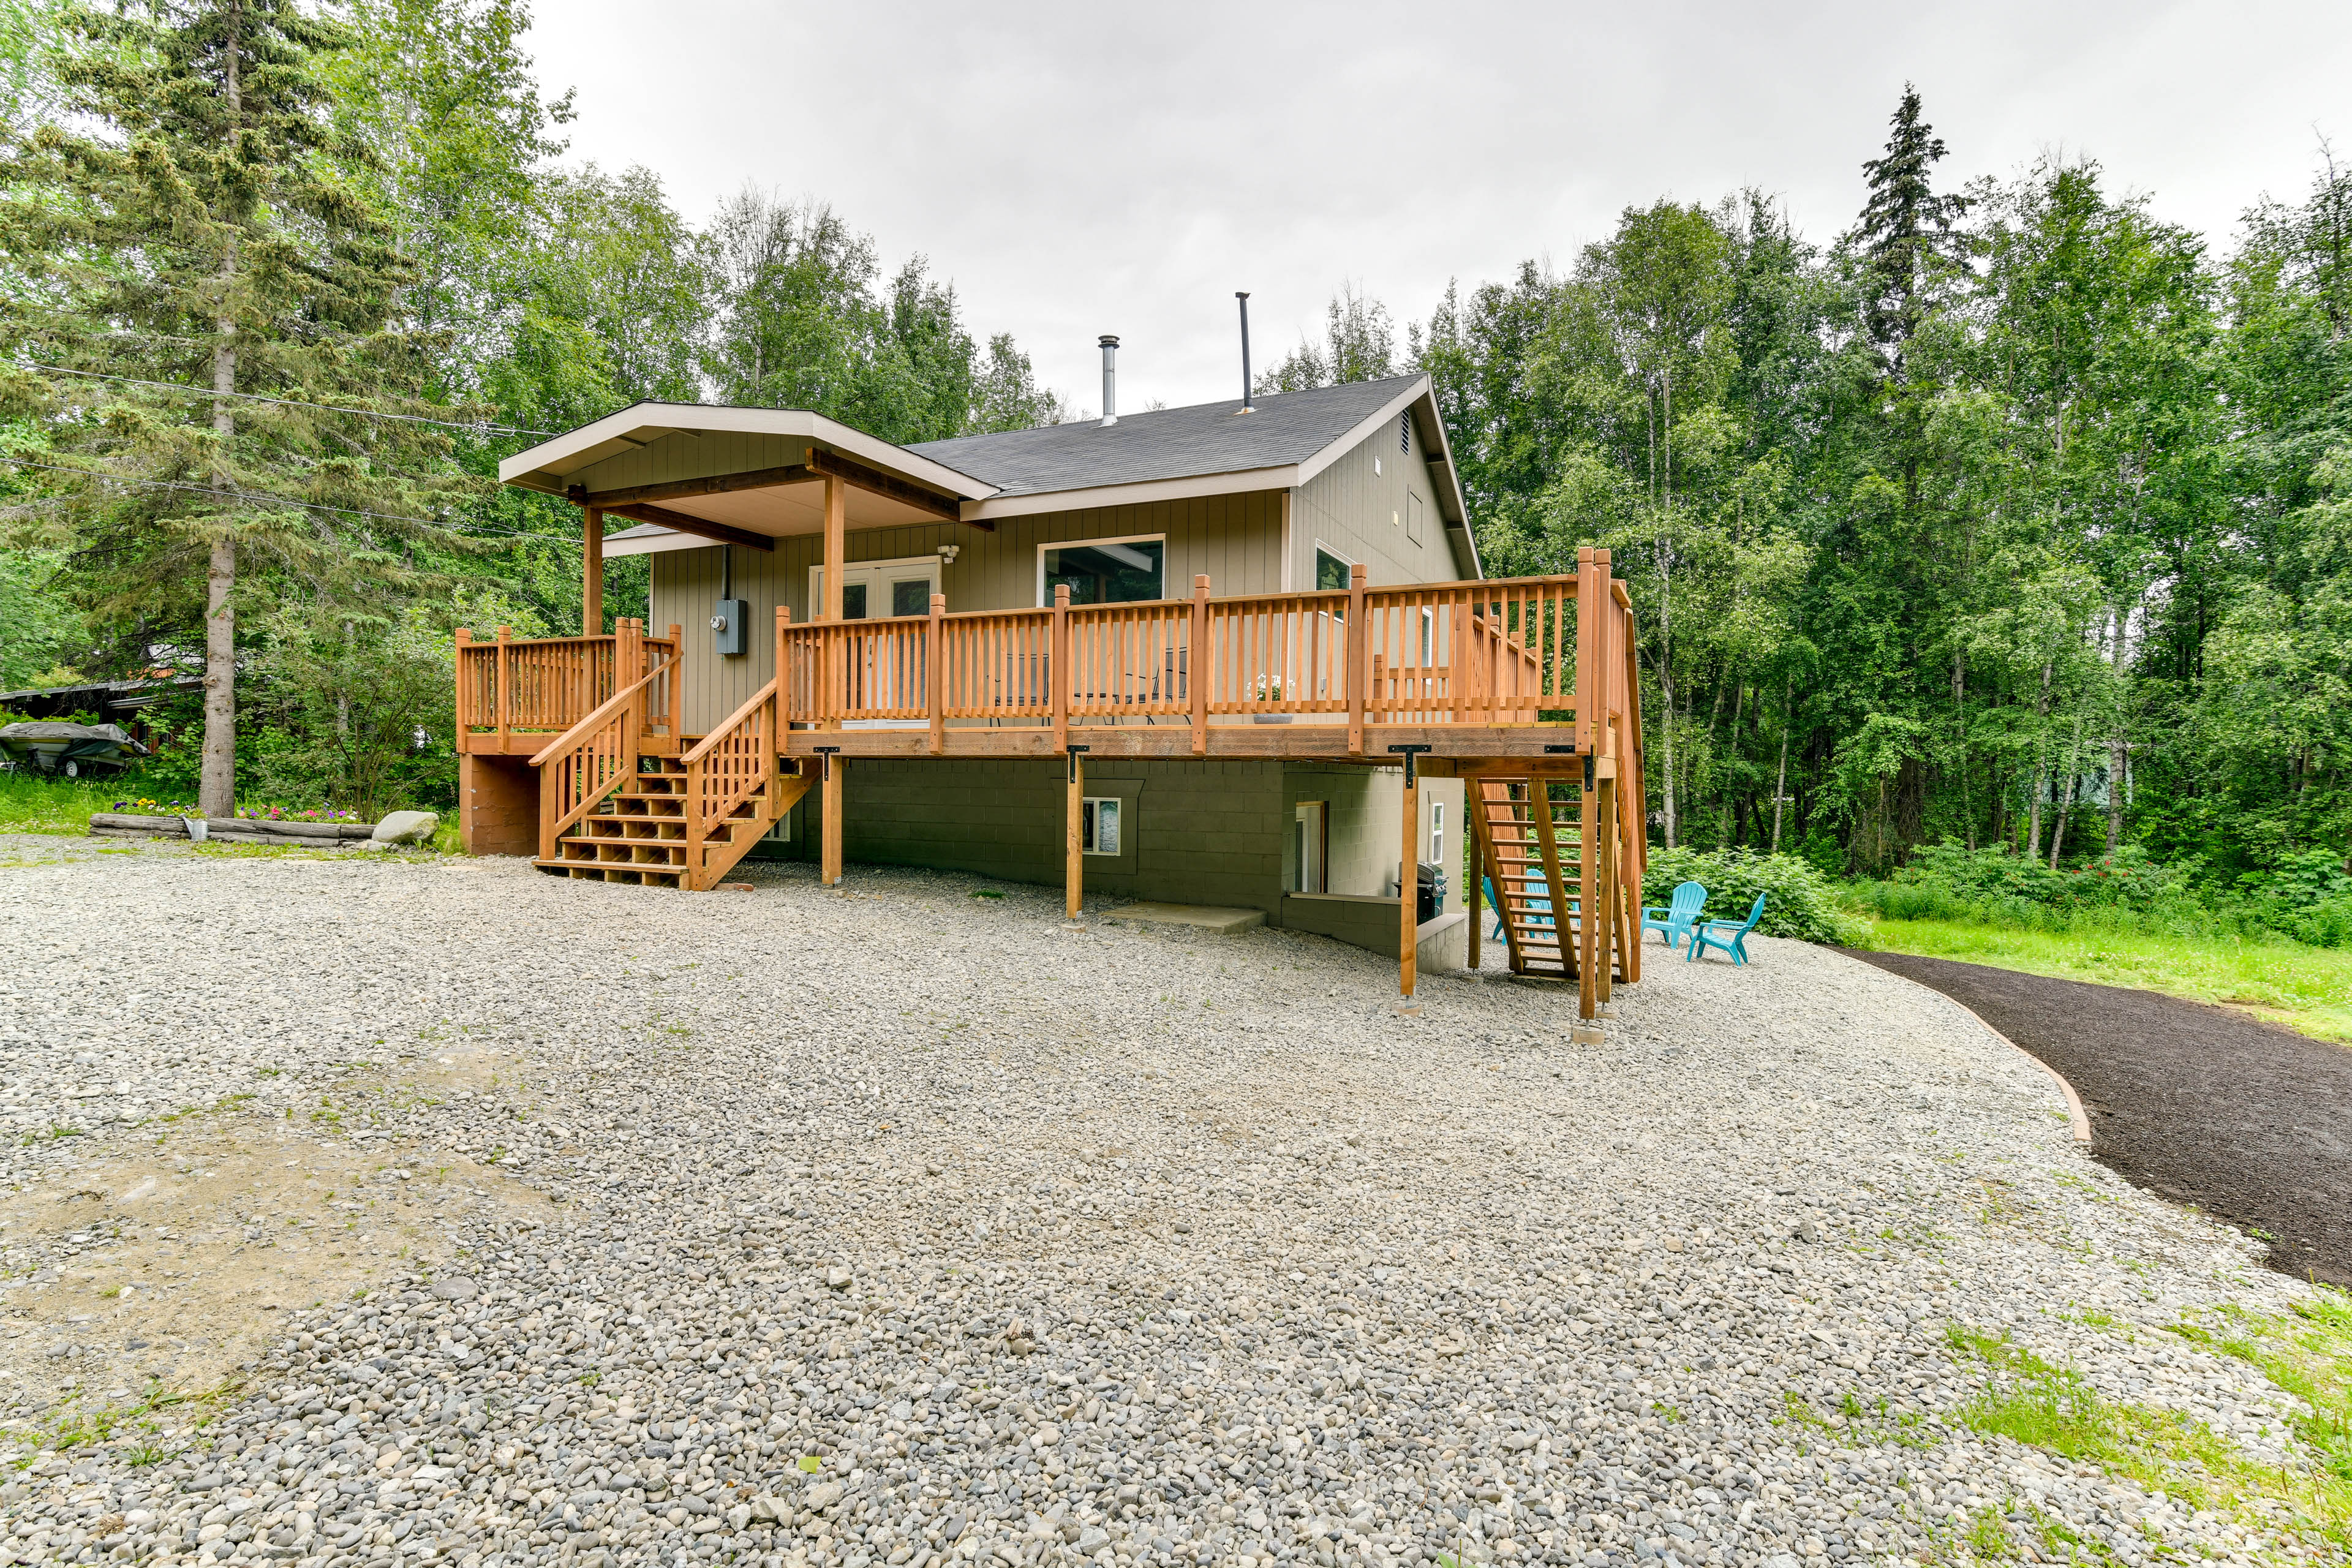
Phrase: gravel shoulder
[2202,1104]
[897,1225]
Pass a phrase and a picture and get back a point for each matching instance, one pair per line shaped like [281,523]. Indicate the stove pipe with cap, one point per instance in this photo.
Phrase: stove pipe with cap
[1110,379]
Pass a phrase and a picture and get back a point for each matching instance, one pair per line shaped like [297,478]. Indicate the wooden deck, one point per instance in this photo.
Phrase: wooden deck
[1525,684]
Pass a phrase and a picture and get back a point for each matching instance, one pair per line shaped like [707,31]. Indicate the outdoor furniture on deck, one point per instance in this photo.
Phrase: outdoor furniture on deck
[1675,920]
[1705,935]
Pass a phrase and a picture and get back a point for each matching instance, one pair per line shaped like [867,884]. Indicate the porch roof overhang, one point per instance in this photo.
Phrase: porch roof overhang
[743,475]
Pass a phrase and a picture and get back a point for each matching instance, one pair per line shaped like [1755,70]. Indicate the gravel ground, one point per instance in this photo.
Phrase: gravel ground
[802,1228]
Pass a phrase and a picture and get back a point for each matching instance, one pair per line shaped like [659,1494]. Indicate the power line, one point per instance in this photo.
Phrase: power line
[259,496]
[280,401]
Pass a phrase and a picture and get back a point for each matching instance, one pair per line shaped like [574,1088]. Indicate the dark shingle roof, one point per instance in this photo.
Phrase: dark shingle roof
[1168,443]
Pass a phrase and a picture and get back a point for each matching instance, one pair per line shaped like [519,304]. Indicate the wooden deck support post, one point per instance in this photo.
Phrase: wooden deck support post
[1408,882]
[828,864]
[591,574]
[1074,872]
[1473,895]
[1198,664]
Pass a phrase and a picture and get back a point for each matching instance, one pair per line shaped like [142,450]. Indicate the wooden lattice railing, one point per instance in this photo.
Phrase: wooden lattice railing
[1486,653]
[543,686]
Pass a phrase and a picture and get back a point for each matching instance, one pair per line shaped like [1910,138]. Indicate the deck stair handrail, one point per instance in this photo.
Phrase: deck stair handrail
[725,768]
[579,768]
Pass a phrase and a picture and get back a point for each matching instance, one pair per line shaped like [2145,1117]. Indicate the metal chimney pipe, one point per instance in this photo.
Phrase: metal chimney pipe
[1110,379]
[1243,295]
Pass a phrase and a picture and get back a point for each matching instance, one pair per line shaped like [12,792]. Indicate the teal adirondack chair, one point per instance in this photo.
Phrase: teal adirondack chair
[1709,933]
[1535,907]
[1675,920]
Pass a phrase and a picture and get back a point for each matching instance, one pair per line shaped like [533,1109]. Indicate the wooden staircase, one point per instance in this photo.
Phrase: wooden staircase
[611,810]
[1544,883]
[639,834]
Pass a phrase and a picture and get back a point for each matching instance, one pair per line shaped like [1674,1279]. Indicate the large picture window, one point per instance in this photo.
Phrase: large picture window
[1107,571]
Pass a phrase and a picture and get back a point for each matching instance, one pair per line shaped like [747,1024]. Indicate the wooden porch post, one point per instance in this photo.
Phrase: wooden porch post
[591,572]
[1057,664]
[1073,875]
[836,543]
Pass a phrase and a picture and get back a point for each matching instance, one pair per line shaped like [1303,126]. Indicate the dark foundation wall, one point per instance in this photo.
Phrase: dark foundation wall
[1194,832]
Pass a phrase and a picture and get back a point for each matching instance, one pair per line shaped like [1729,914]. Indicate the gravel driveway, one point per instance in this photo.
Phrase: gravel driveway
[617,1226]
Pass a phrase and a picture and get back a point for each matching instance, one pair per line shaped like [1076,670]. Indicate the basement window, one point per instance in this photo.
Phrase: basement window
[1098,825]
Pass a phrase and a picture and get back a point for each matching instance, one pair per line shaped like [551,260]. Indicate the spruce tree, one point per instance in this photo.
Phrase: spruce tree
[190,219]
[1905,225]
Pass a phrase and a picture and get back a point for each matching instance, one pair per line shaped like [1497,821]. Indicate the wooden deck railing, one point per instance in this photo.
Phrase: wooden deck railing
[543,685]
[1504,652]
[1454,653]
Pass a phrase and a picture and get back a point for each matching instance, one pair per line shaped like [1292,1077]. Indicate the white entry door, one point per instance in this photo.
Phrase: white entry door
[871,590]
[883,590]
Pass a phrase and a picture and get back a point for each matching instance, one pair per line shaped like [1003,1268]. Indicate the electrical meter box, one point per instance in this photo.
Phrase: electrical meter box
[731,624]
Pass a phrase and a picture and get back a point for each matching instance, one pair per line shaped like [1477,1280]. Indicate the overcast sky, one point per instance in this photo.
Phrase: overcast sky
[1084,169]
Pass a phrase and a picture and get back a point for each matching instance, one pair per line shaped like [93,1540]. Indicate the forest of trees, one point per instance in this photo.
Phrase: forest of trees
[2013,514]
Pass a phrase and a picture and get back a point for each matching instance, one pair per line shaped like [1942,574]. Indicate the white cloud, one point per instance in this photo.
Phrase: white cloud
[1084,169]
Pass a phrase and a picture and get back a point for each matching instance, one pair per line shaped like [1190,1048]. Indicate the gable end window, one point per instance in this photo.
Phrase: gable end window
[1330,572]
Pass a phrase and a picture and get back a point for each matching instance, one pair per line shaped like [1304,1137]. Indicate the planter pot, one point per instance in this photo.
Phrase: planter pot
[1272,718]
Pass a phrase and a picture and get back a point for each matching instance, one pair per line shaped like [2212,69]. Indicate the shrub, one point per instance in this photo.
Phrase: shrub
[1799,901]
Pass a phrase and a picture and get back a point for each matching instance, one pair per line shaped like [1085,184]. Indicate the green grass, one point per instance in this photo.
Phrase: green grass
[2030,1401]
[30,803]
[2305,989]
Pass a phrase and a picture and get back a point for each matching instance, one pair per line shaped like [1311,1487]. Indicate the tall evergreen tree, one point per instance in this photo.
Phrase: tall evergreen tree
[191,221]
[1906,226]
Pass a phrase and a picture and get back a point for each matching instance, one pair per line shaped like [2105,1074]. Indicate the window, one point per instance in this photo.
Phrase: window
[1098,825]
[912,598]
[1107,571]
[1438,832]
[1330,572]
[1309,842]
